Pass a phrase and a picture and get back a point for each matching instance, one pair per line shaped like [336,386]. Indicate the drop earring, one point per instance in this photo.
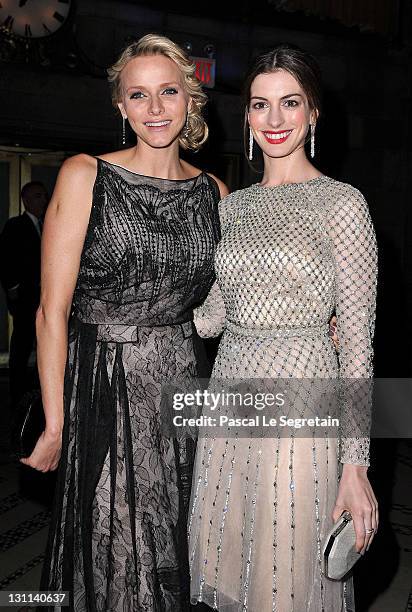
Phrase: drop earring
[186,130]
[250,145]
[312,140]
[123,130]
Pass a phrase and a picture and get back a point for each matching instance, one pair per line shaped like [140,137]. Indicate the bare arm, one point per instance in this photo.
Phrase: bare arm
[63,237]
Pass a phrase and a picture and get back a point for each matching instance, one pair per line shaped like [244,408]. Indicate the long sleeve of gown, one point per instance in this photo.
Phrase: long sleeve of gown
[209,317]
[355,254]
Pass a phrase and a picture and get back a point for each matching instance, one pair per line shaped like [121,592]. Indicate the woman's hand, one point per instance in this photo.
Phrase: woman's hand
[46,454]
[355,494]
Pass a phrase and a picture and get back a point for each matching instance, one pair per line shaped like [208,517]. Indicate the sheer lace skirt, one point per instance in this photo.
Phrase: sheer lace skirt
[117,538]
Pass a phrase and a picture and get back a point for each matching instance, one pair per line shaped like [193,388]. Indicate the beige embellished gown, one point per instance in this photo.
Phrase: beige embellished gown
[290,256]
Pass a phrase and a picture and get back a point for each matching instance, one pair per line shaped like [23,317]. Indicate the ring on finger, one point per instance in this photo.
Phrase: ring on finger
[368,531]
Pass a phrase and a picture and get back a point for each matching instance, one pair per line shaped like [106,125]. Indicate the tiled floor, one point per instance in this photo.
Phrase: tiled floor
[390,570]
[383,579]
[23,531]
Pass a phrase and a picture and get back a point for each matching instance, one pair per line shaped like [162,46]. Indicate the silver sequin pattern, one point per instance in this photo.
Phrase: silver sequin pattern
[290,257]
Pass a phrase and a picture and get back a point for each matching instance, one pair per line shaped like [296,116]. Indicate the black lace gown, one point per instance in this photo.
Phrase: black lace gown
[117,538]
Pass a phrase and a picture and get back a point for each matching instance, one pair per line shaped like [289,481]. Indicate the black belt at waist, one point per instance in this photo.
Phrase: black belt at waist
[120,332]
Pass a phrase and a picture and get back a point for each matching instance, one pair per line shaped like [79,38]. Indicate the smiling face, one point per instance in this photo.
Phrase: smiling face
[279,113]
[154,99]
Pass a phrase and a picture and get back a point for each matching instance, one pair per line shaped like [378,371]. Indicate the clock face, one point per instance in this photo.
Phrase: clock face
[33,18]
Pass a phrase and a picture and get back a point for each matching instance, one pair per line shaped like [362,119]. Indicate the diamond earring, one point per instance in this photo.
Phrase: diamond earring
[186,130]
[123,130]
[250,145]
[312,140]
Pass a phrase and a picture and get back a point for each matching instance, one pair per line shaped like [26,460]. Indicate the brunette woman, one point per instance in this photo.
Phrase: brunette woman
[295,248]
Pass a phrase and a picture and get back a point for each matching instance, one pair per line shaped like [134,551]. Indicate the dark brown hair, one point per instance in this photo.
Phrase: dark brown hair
[300,64]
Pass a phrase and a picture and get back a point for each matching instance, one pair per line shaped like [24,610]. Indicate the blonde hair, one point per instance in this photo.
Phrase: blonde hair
[195,132]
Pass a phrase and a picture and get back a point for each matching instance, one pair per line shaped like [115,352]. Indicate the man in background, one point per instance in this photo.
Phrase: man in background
[20,278]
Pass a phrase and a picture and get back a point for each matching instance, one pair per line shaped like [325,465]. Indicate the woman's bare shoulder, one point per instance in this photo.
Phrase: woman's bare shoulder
[81,166]
[192,171]
[224,191]
[76,177]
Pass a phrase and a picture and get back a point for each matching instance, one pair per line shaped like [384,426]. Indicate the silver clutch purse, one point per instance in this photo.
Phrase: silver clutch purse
[338,551]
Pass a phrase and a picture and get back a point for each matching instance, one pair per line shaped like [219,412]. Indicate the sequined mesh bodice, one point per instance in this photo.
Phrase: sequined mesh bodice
[290,256]
[275,263]
[148,254]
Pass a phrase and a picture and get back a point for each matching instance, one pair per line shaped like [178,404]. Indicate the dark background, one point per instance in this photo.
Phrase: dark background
[54,96]
[55,102]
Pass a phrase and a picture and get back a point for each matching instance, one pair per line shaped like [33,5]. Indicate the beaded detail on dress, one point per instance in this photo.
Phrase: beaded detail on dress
[290,256]
[117,539]
[159,266]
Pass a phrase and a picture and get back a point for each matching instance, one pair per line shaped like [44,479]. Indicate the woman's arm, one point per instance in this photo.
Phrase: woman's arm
[355,253]
[62,242]
[209,318]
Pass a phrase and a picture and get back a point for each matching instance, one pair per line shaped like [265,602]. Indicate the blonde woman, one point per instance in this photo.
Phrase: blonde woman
[128,247]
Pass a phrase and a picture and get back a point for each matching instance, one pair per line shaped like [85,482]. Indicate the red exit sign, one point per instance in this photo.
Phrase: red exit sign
[205,70]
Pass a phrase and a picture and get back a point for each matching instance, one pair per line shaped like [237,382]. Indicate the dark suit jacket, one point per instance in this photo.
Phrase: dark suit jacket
[20,262]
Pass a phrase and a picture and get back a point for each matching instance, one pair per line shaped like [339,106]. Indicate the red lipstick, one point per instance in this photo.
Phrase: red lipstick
[276,137]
